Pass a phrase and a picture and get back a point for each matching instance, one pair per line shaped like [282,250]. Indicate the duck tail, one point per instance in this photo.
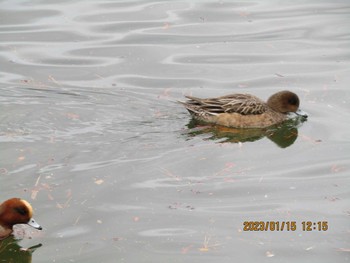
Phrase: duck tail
[191,108]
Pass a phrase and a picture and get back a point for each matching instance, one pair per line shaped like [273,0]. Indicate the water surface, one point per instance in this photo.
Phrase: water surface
[92,135]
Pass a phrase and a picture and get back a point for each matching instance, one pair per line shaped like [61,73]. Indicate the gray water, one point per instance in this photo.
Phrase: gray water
[92,136]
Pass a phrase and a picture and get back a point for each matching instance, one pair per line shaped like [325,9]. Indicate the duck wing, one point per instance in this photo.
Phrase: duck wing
[244,104]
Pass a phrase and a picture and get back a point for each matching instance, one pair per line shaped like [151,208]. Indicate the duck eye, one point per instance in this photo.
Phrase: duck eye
[21,210]
[292,101]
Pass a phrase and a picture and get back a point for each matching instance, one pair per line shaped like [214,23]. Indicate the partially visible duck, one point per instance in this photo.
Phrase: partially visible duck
[244,110]
[15,211]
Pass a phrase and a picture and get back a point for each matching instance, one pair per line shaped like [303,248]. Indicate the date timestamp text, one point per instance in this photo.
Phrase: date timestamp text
[284,226]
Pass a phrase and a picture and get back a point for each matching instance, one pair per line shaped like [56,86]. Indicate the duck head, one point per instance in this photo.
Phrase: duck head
[16,211]
[285,102]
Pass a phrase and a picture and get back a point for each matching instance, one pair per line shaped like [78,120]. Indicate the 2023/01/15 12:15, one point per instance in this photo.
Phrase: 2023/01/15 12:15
[284,226]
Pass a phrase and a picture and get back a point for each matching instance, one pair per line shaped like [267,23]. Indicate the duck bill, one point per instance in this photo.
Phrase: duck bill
[34,224]
[301,113]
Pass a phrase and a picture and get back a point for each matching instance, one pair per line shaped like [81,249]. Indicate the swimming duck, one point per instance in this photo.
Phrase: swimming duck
[244,110]
[15,211]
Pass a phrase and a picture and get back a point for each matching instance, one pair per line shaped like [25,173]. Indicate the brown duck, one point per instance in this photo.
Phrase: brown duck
[244,110]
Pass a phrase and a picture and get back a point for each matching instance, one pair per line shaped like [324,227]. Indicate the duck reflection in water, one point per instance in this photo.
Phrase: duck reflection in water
[283,134]
[11,251]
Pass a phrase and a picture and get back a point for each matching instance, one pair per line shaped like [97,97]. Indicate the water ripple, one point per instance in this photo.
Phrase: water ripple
[165,232]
